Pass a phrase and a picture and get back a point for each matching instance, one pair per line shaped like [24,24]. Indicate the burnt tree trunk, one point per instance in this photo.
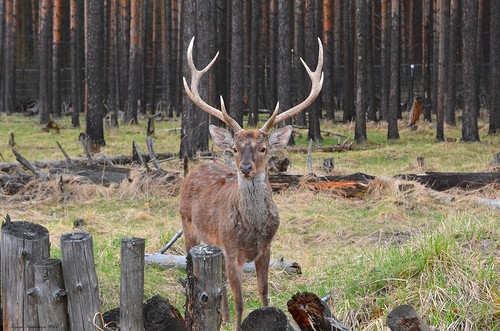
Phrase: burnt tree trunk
[204,288]
[394,95]
[44,64]
[113,67]
[236,104]
[311,58]
[454,35]
[443,54]
[134,64]
[495,68]
[327,91]
[348,18]
[362,68]
[124,50]
[56,57]
[23,244]
[299,47]
[76,65]
[284,70]
[80,280]
[427,23]
[385,59]
[253,114]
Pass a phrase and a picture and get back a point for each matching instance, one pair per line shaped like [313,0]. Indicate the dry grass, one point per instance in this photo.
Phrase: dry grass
[395,244]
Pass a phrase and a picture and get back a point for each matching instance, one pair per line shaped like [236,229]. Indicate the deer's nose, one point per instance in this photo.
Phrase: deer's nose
[245,168]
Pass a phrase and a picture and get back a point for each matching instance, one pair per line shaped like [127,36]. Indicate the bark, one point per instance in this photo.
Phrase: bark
[427,23]
[385,59]
[2,49]
[327,91]
[134,64]
[470,77]
[56,58]
[76,65]
[166,52]
[362,31]
[253,115]
[454,35]
[394,95]
[284,56]
[124,50]
[348,12]
[494,126]
[272,91]
[45,81]
[236,104]
[153,60]
[444,6]
[113,66]
[311,56]
[370,74]
[94,80]
[298,46]
[337,51]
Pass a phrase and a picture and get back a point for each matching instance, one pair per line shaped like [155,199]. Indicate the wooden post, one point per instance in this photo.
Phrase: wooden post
[23,244]
[204,288]
[80,279]
[51,295]
[132,284]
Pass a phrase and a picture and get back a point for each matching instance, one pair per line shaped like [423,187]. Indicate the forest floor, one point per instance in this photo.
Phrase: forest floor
[376,251]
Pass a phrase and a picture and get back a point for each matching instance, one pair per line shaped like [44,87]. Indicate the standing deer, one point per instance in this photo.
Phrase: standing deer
[234,209]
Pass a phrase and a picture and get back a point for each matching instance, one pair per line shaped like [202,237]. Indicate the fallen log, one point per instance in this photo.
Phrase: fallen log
[97,174]
[179,261]
[442,181]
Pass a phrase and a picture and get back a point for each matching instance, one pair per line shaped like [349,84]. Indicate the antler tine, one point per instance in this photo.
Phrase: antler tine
[316,77]
[194,95]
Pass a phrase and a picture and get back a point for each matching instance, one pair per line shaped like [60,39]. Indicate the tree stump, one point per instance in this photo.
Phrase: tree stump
[23,244]
[132,284]
[51,295]
[266,319]
[80,279]
[204,288]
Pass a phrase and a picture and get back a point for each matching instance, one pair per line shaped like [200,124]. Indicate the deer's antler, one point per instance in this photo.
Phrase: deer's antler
[316,77]
[194,95]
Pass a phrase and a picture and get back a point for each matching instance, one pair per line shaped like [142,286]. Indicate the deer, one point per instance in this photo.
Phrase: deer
[233,208]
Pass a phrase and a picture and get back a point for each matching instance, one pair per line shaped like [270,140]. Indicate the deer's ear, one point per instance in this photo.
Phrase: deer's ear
[221,137]
[280,137]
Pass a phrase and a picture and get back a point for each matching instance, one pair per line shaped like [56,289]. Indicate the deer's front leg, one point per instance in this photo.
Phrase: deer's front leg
[262,270]
[234,273]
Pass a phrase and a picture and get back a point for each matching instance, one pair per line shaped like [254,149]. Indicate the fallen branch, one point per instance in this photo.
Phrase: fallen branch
[179,261]
[28,165]
[441,181]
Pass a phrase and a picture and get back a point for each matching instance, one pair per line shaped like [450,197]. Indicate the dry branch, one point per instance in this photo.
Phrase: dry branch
[441,181]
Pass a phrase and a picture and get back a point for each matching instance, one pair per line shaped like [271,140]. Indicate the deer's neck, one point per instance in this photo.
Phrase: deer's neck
[255,197]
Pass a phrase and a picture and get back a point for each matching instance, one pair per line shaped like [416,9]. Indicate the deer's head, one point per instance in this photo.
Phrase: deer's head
[251,147]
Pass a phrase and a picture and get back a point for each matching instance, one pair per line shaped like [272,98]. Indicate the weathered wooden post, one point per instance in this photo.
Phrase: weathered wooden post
[80,280]
[23,244]
[204,288]
[132,284]
[51,295]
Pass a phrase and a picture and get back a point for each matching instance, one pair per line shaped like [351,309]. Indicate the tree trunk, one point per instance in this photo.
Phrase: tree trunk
[311,58]
[94,70]
[155,43]
[76,65]
[253,114]
[495,68]
[2,49]
[327,91]
[385,59]
[370,74]
[284,69]
[299,47]
[10,55]
[444,6]
[451,86]
[394,95]
[348,115]
[362,31]
[56,58]
[337,51]
[45,81]
[427,23]
[470,77]
[124,51]
[134,64]
[166,53]
[272,91]
[236,104]
[113,66]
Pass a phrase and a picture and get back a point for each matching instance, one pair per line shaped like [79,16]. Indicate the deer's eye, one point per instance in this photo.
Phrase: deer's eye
[263,150]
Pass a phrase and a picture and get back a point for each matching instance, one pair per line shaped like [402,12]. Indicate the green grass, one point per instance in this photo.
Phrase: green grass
[371,253]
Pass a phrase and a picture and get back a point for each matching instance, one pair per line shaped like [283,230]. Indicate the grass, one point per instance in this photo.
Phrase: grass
[371,253]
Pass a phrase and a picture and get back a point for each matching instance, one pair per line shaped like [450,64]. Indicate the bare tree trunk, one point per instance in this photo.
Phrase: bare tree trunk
[76,65]
[134,64]
[348,115]
[337,51]
[470,76]
[454,35]
[113,68]
[427,23]
[299,47]
[56,58]
[45,81]
[272,91]
[284,56]
[444,6]
[2,48]
[10,56]
[385,60]
[236,103]
[166,52]
[370,74]
[435,57]
[495,68]
[311,56]
[155,41]
[327,91]
[362,11]
[394,95]
[94,69]
[253,114]
[124,51]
